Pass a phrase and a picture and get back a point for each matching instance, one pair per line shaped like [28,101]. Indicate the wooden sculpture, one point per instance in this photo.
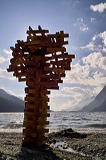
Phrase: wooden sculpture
[41,61]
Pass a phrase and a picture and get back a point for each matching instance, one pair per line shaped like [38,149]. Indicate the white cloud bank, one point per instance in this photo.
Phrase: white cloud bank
[89,71]
[85,80]
[93,46]
[99,7]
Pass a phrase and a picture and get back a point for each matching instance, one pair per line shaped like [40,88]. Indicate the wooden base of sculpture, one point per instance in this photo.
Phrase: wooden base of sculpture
[35,115]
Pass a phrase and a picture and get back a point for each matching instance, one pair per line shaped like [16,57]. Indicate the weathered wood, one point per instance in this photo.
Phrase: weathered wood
[29,123]
[58,35]
[41,61]
[33,106]
[63,56]
[37,141]
[54,70]
[27,98]
[37,31]
[62,49]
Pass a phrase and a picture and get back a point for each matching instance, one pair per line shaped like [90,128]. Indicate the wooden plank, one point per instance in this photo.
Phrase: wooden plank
[19,68]
[35,114]
[59,63]
[10,69]
[37,43]
[42,123]
[29,134]
[33,106]
[63,56]
[31,84]
[22,79]
[15,50]
[61,49]
[29,123]
[54,69]
[54,87]
[59,42]
[37,31]
[35,109]
[62,75]
[36,131]
[30,140]
[58,35]
[60,81]
[27,98]
[20,74]
[31,99]
[51,76]
[30,43]
[48,83]
[33,91]
[32,64]
[38,84]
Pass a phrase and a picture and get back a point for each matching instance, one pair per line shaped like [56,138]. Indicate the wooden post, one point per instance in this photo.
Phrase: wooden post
[41,61]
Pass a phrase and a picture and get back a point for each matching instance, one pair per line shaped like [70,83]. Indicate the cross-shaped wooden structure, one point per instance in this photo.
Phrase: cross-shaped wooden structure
[41,61]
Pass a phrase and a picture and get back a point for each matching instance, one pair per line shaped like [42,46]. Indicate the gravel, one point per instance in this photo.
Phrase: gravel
[82,147]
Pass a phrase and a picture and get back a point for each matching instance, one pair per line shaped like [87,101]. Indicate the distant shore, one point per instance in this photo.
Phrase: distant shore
[89,146]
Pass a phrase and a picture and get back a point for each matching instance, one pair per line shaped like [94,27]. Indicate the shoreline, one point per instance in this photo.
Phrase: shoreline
[90,128]
[90,146]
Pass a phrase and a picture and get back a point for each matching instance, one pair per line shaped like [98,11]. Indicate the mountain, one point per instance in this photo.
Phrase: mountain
[10,103]
[99,103]
[81,104]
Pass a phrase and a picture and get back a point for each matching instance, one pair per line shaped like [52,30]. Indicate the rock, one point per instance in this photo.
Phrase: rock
[2,158]
[69,133]
[65,146]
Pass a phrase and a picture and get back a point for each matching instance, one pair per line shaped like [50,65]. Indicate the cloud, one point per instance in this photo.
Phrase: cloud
[78,93]
[90,46]
[57,94]
[5,74]
[67,104]
[99,7]
[94,45]
[8,53]
[68,3]
[89,71]
[93,19]
[88,76]
[100,36]
[81,24]
[95,60]
[75,96]
[104,49]
[2,60]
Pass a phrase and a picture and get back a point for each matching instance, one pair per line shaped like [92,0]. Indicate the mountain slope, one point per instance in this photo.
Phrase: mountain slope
[98,105]
[81,104]
[5,95]
[10,103]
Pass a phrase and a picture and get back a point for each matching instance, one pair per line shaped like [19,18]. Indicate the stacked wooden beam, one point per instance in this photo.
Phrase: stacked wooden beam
[41,61]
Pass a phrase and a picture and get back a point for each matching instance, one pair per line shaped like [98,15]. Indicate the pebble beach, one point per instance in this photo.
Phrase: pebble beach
[70,146]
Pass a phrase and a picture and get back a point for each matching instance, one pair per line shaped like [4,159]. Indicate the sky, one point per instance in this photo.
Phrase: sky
[83,20]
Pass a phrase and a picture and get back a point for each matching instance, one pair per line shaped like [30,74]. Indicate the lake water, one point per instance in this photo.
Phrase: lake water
[78,121]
